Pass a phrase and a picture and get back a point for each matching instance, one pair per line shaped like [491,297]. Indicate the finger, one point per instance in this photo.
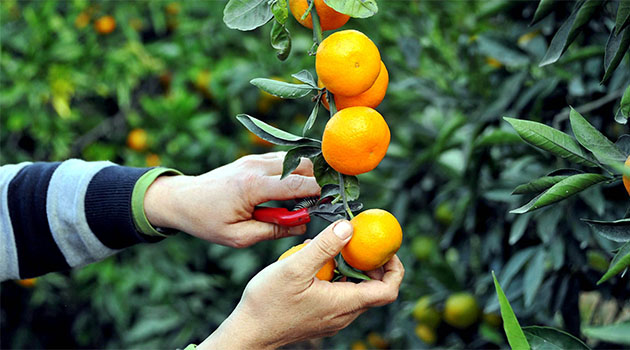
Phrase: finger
[252,231]
[273,166]
[374,292]
[291,187]
[376,274]
[324,247]
[273,155]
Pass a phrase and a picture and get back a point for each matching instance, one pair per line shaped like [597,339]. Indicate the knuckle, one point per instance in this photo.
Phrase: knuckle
[326,247]
[294,182]
[278,232]
[239,242]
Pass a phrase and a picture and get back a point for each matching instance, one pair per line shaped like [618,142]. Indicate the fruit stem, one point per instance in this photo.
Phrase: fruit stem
[342,189]
[318,37]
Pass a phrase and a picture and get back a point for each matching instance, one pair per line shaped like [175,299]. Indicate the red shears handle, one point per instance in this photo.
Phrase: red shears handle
[282,216]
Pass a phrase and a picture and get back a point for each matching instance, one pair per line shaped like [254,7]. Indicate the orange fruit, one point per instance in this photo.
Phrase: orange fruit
[426,334]
[358,345]
[461,310]
[329,19]
[27,283]
[82,20]
[347,62]
[105,25]
[626,180]
[377,237]
[377,341]
[137,139]
[425,313]
[372,97]
[152,160]
[355,140]
[326,273]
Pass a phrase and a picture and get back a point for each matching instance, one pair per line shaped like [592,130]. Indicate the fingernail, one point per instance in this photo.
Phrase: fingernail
[343,229]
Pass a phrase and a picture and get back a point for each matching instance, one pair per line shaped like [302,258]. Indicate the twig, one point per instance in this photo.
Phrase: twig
[585,108]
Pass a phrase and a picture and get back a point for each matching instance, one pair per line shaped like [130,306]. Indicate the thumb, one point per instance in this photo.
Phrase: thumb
[324,247]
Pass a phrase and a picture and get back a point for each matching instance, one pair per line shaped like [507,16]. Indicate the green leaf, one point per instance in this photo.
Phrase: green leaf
[623,16]
[294,156]
[280,11]
[324,175]
[620,262]
[618,230]
[311,118]
[534,274]
[273,134]
[548,338]
[354,8]
[538,185]
[604,150]
[498,138]
[616,47]
[282,89]
[280,40]
[246,14]
[330,190]
[618,333]
[544,8]
[518,228]
[561,190]
[623,113]
[515,264]
[349,271]
[569,30]
[507,55]
[623,143]
[351,185]
[306,77]
[516,337]
[551,140]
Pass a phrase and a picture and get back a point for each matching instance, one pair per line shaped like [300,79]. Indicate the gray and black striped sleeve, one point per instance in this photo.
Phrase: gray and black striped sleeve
[55,216]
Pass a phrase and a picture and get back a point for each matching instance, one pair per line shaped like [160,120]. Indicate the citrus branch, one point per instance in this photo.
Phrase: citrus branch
[342,189]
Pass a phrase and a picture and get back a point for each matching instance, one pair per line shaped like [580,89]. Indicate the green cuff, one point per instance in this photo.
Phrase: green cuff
[191,347]
[137,200]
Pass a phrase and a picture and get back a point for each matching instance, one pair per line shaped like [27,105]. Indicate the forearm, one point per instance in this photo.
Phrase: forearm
[60,215]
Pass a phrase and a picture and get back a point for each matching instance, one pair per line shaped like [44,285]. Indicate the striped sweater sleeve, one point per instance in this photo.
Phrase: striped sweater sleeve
[55,216]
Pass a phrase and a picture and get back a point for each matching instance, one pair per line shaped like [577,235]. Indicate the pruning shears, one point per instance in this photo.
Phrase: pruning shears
[302,212]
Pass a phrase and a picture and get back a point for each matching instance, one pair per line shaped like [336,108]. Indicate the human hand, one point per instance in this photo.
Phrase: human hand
[284,303]
[218,206]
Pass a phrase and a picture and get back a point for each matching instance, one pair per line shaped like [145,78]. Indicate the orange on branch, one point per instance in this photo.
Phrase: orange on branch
[626,179]
[377,237]
[355,140]
[347,62]
[372,97]
[105,25]
[329,19]
[137,139]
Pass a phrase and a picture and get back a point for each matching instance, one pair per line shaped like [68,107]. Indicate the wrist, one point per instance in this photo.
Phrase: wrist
[236,333]
[160,201]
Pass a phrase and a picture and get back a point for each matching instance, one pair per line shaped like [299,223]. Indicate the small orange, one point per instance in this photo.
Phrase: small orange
[626,179]
[377,341]
[137,140]
[82,20]
[372,97]
[461,310]
[426,334]
[377,237]
[347,62]
[326,273]
[329,19]
[355,140]
[152,160]
[105,25]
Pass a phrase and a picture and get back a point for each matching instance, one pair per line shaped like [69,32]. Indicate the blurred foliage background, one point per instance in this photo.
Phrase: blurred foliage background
[159,83]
